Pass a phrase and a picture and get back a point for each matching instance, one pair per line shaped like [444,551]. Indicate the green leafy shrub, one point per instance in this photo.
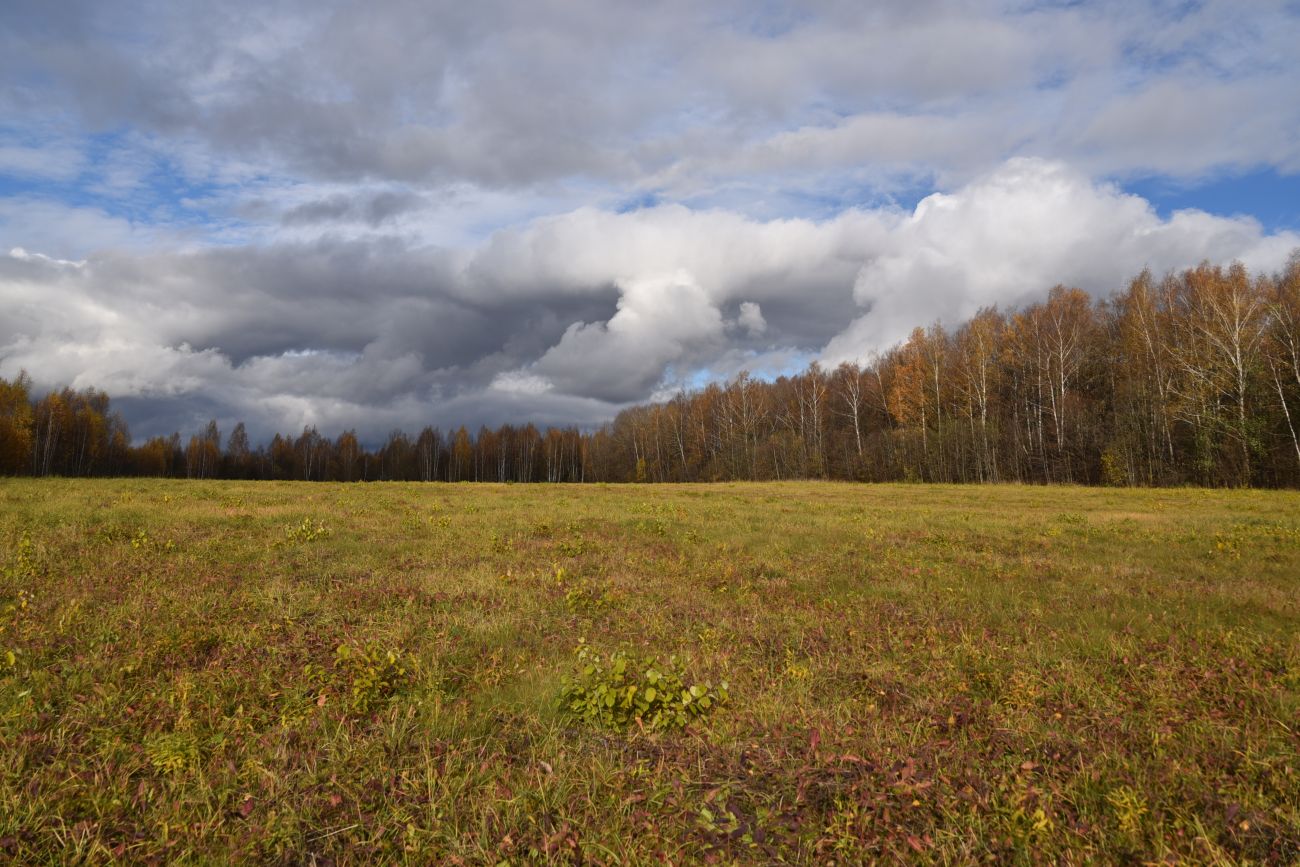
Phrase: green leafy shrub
[617,691]
[572,547]
[366,677]
[305,532]
[581,595]
[585,598]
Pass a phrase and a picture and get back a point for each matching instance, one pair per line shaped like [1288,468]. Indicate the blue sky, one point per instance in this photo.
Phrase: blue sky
[1265,194]
[388,213]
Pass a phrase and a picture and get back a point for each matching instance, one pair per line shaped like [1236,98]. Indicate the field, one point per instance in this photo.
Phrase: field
[314,673]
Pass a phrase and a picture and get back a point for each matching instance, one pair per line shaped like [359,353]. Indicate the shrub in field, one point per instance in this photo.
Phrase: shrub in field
[366,676]
[586,598]
[10,615]
[582,599]
[305,532]
[616,691]
[572,547]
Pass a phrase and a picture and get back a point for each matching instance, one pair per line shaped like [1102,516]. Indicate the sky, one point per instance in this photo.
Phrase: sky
[393,213]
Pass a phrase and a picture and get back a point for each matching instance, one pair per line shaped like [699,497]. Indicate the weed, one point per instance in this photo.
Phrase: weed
[366,676]
[1226,545]
[141,541]
[16,599]
[305,532]
[795,670]
[620,690]
[584,599]
[1129,807]
[572,547]
[172,752]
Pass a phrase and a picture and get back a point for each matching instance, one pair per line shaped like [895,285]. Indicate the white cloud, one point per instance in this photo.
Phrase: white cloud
[521,382]
[51,162]
[660,320]
[574,314]
[69,231]
[751,318]
[1007,237]
[588,94]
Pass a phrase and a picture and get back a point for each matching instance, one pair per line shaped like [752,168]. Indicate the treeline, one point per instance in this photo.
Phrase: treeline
[1193,378]
[72,433]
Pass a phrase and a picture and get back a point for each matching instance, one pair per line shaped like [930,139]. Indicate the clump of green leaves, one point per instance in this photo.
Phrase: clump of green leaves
[172,752]
[1129,807]
[11,613]
[581,595]
[366,676]
[622,689]
[142,541]
[307,531]
[586,598]
[572,547]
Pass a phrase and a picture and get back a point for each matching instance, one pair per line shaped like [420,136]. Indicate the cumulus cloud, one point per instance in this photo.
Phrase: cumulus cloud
[568,318]
[1006,237]
[660,321]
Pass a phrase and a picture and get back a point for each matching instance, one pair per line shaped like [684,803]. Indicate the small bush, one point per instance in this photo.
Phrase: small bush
[366,677]
[585,598]
[572,547]
[617,691]
[306,531]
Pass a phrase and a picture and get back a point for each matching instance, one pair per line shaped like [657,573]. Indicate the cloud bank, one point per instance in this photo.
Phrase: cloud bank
[568,318]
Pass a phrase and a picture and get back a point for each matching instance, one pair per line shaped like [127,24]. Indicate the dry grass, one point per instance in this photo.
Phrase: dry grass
[923,673]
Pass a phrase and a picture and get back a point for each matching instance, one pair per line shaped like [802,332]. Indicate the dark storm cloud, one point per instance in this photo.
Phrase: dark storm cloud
[372,209]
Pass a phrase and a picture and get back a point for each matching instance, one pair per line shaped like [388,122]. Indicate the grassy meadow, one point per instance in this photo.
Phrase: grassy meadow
[356,674]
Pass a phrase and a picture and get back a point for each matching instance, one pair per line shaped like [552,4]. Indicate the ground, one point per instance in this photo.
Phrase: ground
[317,673]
